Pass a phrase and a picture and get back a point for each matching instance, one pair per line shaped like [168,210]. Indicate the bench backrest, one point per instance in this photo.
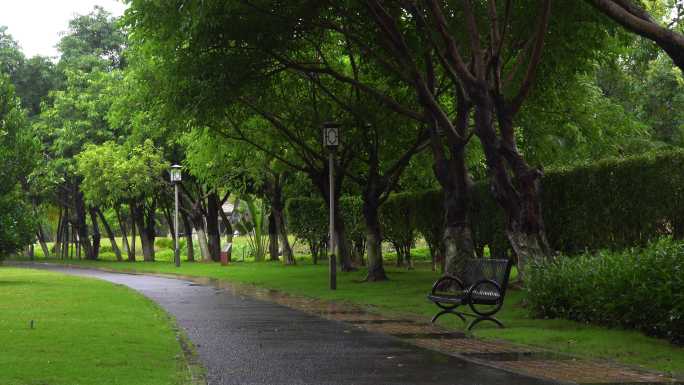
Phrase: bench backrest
[498,270]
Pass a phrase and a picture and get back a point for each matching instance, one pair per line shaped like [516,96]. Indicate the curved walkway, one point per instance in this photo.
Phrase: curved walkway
[241,340]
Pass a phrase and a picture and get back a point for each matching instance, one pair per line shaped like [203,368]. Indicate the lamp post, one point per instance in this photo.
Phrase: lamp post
[331,139]
[176,177]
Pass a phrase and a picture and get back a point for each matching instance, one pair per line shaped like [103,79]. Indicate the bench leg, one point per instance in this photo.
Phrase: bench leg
[445,311]
[480,319]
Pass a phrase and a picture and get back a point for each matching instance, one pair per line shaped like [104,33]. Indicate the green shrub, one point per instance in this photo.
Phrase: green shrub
[635,288]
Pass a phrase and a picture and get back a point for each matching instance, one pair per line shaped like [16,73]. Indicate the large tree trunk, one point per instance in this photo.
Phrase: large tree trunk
[457,242]
[519,198]
[213,231]
[525,223]
[452,174]
[376,271]
[273,247]
[188,238]
[110,234]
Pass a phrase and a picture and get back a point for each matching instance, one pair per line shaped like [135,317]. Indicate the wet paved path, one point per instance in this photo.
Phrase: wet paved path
[246,341]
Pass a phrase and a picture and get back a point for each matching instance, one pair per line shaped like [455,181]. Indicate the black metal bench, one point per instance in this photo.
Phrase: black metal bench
[481,285]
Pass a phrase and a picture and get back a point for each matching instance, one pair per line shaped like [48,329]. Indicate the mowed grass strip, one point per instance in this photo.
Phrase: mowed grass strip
[85,331]
[405,293]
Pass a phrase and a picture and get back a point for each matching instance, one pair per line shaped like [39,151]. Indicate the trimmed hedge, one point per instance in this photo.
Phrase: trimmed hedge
[613,204]
[636,288]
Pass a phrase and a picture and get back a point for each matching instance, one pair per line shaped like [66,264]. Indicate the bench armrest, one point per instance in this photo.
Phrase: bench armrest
[444,280]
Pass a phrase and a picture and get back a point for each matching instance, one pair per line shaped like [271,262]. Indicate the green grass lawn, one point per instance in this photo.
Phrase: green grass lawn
[405,293]
[86,331]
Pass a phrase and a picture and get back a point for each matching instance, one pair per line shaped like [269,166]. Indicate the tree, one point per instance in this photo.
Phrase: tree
[77,115]
[32,78]
[95,38]
[638,20]
[133,175]
[17,156]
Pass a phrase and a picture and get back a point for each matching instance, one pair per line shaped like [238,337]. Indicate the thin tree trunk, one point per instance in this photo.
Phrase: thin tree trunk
[41,240]
[124,235]
[65,240]
[288,255]
[81,226]
[169,222]
[132,256]
[314,249]
[77,244]
[97,238]
[110,234]
[400,256]
[57,246]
